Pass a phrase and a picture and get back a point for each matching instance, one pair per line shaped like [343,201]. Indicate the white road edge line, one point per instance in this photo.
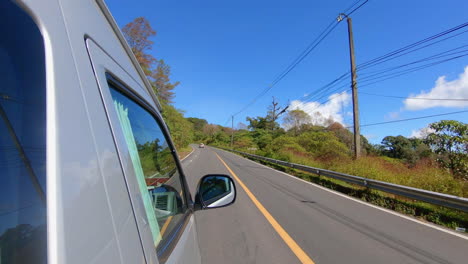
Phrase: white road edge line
[448,231]
[193,149]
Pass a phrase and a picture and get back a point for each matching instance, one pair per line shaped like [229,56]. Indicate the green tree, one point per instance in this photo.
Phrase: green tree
[161,83]
[243,140]
[180,128]
[257,123]
[397,147]
[262,137]
[450,141]
[198,123]
[138,34]
[294,119]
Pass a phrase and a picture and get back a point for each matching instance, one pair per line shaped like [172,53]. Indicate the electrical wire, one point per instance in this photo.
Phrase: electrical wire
[333,24]
[355,9]
[410,46]
[293,65]
[340,79]
[407,71]
[416,98]
[377,78]
[401,120]
[351,6]
[360,67]
[410,119]
[381,80]
[446,53]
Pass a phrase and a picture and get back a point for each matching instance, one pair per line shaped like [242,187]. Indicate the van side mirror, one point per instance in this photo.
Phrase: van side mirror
[215,191]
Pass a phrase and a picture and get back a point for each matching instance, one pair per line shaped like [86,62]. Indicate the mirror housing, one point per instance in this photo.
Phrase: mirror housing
[215,191]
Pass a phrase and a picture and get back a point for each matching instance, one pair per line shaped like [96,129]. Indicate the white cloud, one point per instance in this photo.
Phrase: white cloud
[421,133]
[392,115]
[456,89]
[370,136]
[322,113]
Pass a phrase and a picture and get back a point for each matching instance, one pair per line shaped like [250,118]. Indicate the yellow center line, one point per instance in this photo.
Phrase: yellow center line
[296,249]
[166,224]
[168,220]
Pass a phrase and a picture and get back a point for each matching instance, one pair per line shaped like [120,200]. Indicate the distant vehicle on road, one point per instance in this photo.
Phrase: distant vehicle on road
[201,145]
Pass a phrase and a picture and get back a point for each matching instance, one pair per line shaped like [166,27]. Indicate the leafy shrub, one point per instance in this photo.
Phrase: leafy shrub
[323,145]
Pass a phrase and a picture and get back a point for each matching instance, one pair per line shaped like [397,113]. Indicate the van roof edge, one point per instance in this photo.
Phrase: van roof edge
[102,5]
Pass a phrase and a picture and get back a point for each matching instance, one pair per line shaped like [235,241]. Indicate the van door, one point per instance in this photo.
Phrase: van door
[155,181]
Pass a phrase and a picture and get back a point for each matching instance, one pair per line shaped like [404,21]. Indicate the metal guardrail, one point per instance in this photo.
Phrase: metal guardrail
[442,199]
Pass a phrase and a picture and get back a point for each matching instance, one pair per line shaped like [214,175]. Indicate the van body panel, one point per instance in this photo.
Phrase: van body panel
[94,212]
[103,64]
[187,250]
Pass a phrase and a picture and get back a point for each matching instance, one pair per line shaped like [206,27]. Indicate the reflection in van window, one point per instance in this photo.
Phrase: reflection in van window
[23,232]
[154,166]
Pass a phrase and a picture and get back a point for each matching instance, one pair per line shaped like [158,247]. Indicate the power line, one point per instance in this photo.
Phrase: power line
[414,118]
[400,120]
[363,66]
[407,71]
[360,67]
[309,49]
[351,6]
[417,98]
[301,56]
[415,44]
[355,9]
[370,80]
[395,75]
[446,53]
[317,41]
[293,65]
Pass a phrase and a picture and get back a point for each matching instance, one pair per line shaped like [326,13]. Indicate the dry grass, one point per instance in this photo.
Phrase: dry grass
[424,175]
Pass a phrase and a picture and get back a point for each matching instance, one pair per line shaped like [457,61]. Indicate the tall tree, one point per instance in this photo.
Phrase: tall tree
[450,141]
[295,118]
[398,147]
[256,123]
[138,33]
[161,82]
[274,111]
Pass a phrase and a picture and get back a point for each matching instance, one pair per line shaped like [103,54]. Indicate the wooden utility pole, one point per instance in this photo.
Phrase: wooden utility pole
[232,131]
[357,133]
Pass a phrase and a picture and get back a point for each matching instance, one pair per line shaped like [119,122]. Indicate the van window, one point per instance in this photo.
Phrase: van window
[154,165]
[23,232]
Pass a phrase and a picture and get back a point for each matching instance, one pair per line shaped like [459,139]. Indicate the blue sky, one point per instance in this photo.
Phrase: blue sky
[224,53]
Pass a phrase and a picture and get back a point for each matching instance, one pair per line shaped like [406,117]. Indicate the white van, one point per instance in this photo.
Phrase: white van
[88,171]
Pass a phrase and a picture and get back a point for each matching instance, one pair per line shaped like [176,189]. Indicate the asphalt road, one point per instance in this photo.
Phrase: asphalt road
[323,226]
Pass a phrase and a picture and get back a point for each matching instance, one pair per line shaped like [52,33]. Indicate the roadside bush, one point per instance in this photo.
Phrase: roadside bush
[323,145]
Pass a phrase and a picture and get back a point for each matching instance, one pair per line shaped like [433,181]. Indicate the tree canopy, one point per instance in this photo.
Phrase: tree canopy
[450,141]
[138,34]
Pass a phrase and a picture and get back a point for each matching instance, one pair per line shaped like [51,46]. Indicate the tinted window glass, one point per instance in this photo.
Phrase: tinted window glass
[155,168]
[23,234]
